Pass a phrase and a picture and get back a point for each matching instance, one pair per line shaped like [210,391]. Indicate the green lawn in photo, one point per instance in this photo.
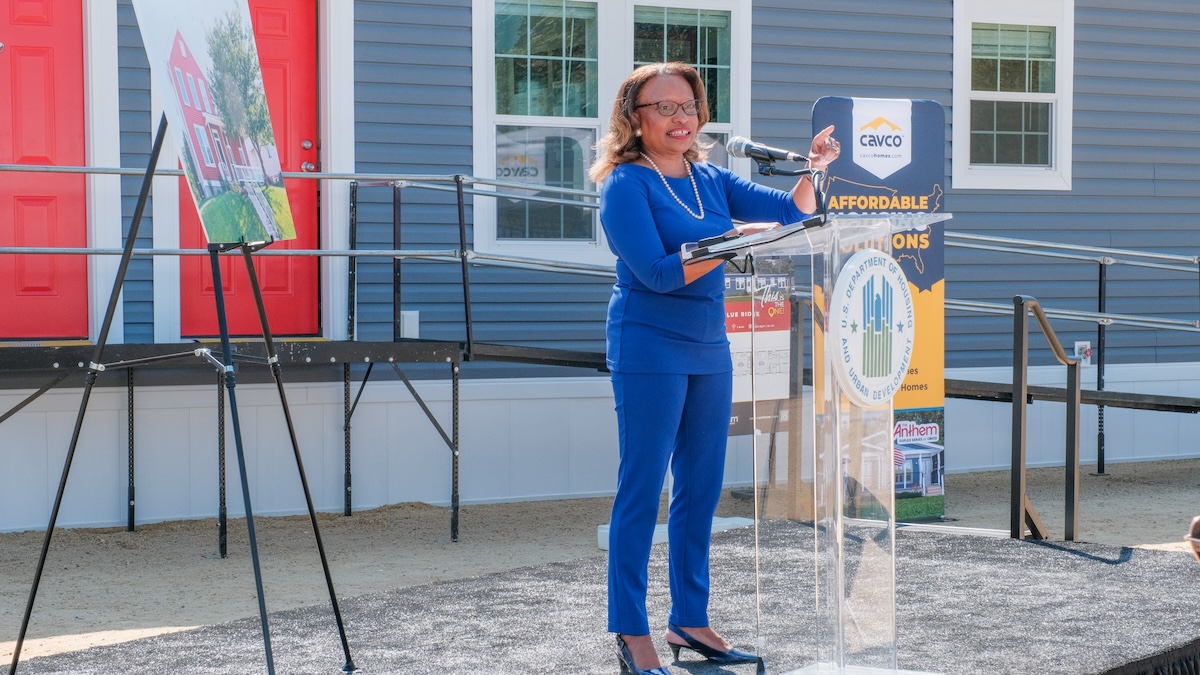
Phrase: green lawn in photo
[277,197]
[920,508]
[230,218]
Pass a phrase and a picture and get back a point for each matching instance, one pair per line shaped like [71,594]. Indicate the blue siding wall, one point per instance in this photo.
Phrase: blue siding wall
[136,140]
[1136,137]
[414,116]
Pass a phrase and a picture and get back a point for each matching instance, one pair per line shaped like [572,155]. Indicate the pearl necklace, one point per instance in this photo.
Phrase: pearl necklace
[687,165]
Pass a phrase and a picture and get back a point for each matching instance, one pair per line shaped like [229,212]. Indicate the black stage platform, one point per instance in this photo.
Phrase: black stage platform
[966,604]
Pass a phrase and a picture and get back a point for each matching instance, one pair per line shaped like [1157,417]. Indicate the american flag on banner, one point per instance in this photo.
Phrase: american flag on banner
[897,456]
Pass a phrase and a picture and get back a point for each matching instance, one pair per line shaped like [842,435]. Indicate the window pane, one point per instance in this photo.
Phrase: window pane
[512,29]
[581,41]
[1041,76]
[983,116]
[1041,42]
[983,149]
[545,83]
[985,40]
[546,36]
[717,155]
[1014,41]
[701,38]
[1008,116]
[538,42]
[544,156]
[1037,117]
[1037,150]
[716,82]
[512,86]
[581,90]
[649,35]
[985,75]
[1008,149]
[1012,75]
[681,43]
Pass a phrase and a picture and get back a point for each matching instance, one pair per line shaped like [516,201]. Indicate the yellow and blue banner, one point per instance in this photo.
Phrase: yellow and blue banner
[893,161]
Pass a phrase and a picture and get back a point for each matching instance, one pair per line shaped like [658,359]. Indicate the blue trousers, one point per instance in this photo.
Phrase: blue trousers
[682,420]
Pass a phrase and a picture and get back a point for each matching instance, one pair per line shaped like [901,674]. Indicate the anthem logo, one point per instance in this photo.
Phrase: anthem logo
[883,135]
[871,323]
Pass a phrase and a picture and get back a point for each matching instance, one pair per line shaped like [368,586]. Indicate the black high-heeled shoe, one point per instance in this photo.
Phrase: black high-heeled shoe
[714,655]
[628,666]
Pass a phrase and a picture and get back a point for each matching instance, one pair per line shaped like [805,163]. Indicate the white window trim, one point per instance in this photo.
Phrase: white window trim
[1057,13]
[615,61]
[102,115]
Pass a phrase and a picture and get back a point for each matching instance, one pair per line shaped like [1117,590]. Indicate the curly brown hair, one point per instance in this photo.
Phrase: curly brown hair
[620,145]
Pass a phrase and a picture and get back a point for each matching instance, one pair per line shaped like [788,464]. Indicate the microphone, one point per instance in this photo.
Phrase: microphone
[744,147]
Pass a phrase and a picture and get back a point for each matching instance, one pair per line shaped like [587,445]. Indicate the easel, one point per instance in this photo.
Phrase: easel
[223,367]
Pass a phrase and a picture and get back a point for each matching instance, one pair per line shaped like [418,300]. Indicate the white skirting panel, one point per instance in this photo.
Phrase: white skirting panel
[979,433]
[521,439]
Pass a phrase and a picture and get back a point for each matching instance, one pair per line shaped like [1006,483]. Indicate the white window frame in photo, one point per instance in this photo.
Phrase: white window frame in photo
[1057,13]
[206,150]
[614,62]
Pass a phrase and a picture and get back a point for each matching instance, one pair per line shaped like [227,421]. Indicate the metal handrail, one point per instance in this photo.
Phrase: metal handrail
[1104,258]
[1021,511]
[1110,256]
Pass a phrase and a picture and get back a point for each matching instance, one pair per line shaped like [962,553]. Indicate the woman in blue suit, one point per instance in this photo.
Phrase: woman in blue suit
[667,351]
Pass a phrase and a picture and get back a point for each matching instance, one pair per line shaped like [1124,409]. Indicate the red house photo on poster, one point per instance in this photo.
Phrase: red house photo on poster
[214,157]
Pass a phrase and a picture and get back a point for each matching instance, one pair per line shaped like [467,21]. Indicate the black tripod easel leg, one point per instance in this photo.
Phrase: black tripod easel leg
[277,374]
[94,369]
[214,251]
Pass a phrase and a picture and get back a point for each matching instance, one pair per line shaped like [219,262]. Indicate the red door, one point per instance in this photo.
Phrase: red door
[286,34]
[42,123]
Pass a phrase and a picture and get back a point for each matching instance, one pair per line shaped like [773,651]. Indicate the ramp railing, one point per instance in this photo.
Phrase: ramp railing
[1022,513]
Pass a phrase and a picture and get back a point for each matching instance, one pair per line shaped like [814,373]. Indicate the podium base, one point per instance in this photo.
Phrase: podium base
[830,669]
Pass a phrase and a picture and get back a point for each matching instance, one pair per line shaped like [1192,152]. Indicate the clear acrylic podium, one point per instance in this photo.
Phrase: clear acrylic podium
[823,464]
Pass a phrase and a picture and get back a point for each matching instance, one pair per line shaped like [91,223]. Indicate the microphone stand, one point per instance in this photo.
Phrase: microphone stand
[766,167]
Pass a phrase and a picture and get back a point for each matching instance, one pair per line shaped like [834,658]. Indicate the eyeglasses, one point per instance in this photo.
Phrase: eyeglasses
[667,108]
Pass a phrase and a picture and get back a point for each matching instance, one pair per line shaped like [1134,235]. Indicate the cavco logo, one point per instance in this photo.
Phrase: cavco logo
[883,135]
[880,133]
[871,321]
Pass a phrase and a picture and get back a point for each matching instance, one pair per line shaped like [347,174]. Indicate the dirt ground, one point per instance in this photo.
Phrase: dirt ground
[106,586]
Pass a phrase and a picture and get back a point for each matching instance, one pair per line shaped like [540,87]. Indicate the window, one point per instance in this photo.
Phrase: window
[701,38]
[192,88]
[183,92]
[205,148]
[544,81]
[546,60]
[1012,95]
[216,137]
[204,96]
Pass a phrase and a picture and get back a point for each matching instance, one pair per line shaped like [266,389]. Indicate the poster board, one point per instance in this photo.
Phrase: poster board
[204,61]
